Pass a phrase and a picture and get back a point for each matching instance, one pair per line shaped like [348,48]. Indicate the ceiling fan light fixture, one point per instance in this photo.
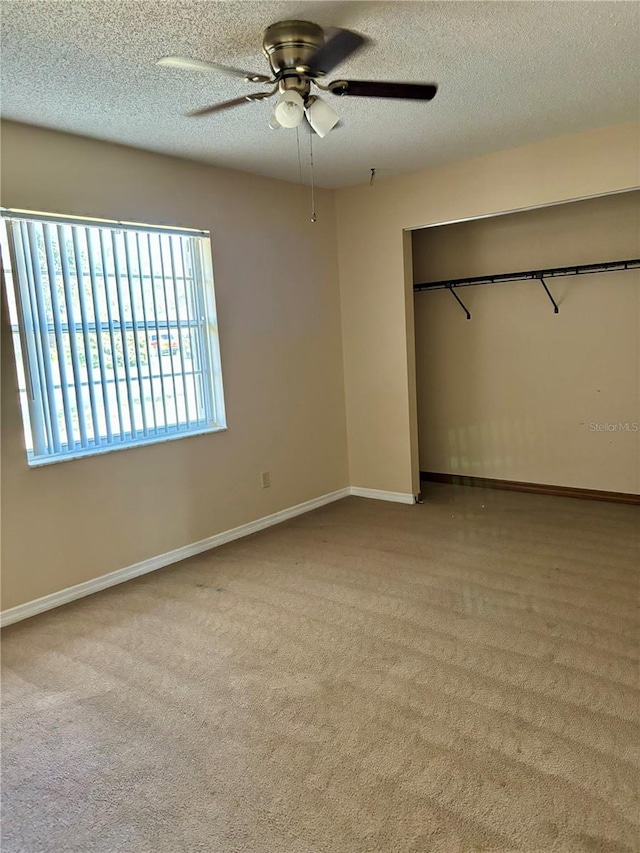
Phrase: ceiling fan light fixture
[321,117]
[289,110]
[300,52]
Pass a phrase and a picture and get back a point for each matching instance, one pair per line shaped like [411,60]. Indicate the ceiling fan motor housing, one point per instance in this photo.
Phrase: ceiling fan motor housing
[288,45]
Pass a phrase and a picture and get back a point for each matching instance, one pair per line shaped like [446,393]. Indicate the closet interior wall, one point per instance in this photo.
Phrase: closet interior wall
[518,392]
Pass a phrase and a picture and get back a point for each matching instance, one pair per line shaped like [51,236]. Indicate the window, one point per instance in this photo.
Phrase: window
[115,333]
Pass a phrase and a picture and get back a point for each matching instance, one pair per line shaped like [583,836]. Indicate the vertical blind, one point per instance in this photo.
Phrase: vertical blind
[115,334]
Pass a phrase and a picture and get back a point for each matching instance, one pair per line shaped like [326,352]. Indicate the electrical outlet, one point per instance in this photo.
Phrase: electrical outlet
[266,479]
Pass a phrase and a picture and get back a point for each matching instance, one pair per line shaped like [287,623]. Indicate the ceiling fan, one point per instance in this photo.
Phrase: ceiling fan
[300,54]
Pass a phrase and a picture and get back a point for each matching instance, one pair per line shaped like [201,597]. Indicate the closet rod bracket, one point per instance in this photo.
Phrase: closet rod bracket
[460,302]
[553,301]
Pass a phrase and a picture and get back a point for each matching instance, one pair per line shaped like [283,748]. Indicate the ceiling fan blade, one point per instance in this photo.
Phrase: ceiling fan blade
[186,64]
[334,51]
[226,105]
[383,89]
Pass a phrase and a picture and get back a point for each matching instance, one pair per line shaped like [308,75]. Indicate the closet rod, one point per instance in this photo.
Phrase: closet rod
[530,275]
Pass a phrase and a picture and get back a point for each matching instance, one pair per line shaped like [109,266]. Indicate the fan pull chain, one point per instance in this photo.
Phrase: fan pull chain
[299,158]
[313,194]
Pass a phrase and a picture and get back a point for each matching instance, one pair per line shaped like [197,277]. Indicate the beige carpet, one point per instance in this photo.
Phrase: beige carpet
[458,676]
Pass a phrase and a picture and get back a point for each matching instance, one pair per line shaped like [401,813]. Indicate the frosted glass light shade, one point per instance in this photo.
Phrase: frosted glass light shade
[321,117]
[289,109]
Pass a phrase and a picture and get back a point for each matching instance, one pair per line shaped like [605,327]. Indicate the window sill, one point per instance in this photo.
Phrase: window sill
[130,445]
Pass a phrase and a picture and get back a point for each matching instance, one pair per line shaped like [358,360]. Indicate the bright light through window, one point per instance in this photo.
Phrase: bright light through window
[114,331]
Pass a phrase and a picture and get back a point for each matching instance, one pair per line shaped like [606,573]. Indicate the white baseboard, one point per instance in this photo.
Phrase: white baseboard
[64,596]
[379,495]
[71,593]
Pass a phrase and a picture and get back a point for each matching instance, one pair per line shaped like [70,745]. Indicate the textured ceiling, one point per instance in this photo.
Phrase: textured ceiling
[509,73]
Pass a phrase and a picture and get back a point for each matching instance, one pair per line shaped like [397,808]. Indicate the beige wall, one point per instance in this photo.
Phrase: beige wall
[376,295]
[281,357]
[512,393]
[293,344]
